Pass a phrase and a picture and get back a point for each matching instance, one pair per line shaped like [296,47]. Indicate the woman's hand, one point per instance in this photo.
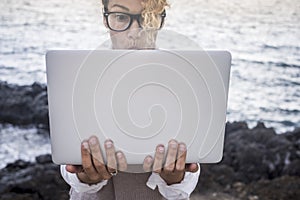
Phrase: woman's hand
[174,168]
[93,169]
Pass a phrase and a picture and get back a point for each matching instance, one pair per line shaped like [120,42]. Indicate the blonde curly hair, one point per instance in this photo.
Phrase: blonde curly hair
[152,9]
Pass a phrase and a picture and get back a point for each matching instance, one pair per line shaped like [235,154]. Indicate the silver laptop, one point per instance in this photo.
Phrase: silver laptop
[138,99]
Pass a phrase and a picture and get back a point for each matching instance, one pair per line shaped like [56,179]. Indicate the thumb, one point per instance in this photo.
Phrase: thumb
[74,168]
[192,167]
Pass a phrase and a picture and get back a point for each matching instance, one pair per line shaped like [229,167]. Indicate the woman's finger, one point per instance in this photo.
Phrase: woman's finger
[181,157]
[87,163]
[97,158]
[158,158]
[121,159]
[110,156]
[74,168]
[171,156]
[192,167]
[147,164]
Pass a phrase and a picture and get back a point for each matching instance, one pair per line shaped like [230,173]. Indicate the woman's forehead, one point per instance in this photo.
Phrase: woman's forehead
[134,6]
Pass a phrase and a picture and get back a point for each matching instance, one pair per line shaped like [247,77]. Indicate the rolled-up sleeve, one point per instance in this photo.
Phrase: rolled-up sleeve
[77,185]
[181,190]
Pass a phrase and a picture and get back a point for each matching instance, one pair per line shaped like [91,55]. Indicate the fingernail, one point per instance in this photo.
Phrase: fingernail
[108,144]
[93,141]
[148,159]
[161,149]
[182,147]
[85,145]
[173,144]
[119,155]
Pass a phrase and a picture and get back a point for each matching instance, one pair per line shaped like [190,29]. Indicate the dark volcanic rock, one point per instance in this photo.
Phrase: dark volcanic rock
[293,168]
[235,126]
[24,180]
[258,153]
[23,105]
[284,187]
[255,162]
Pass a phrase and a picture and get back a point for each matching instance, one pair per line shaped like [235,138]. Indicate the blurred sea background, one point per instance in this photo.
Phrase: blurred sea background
[263,37]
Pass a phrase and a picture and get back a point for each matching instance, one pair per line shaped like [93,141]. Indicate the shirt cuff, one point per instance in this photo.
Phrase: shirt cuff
[180,190]
[77,185]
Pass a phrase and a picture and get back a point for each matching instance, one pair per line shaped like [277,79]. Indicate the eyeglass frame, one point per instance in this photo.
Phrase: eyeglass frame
[132,17]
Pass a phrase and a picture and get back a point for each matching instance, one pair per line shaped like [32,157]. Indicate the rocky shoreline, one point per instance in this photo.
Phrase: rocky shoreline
[24,105]
[257,162]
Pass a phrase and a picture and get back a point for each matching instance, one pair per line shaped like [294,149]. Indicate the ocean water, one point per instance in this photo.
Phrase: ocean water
[19,143]
[262,35]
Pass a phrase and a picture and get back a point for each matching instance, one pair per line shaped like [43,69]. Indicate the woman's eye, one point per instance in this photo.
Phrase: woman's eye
[122,17]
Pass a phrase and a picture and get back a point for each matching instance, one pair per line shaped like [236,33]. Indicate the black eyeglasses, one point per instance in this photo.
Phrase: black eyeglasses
[119,21]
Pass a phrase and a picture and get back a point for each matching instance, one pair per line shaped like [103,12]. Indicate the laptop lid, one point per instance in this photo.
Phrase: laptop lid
[138,99]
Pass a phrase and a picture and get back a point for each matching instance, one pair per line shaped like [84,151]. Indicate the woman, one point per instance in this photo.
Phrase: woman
[133,24]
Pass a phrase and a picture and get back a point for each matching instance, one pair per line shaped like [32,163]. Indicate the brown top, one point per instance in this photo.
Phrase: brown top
[125,186]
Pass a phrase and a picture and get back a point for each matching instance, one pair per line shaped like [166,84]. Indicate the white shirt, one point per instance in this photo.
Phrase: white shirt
[181,190]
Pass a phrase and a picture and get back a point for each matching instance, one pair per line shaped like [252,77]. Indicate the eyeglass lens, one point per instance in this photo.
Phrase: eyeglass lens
[119,21]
